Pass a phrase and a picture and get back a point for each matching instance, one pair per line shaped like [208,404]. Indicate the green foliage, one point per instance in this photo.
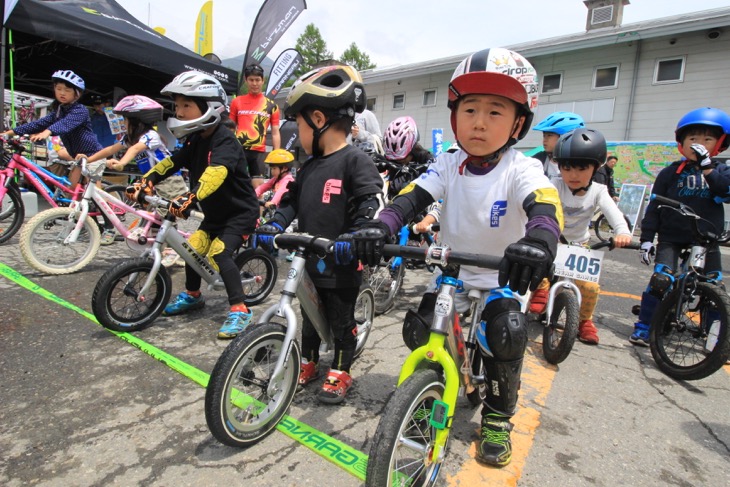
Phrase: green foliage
[356,58]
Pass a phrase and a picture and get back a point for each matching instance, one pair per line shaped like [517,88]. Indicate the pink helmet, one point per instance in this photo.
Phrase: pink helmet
[139,107]
[400,137]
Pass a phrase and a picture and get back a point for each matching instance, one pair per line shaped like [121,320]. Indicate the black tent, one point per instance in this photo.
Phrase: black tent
[101,42]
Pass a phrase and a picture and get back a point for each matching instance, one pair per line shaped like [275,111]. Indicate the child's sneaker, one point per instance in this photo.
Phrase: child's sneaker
[183,303]
[640,336]
[107,237]
[335,387]
[495,446]
[587,332]
[308,371]
[236,322]
[538,301]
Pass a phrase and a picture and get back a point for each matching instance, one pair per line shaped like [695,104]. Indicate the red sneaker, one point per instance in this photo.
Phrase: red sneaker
[538,301]
[308,371]
[335,387]
[587,332]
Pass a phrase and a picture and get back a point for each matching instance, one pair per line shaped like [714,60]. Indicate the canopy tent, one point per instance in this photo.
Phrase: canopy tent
[102,43]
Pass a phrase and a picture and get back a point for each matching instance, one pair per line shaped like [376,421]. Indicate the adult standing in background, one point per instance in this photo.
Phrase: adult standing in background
[604,175]
[253,114]
[366,129]
[100,122]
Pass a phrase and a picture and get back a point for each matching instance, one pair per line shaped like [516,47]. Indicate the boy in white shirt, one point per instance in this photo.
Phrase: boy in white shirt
[496,200]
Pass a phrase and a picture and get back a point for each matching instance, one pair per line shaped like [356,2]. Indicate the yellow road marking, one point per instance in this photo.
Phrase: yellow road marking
[621,295]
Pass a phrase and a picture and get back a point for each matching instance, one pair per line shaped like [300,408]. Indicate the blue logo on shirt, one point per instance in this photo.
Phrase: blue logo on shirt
[499,208]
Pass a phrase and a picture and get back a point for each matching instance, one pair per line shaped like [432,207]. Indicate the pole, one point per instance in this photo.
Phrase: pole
[2,73]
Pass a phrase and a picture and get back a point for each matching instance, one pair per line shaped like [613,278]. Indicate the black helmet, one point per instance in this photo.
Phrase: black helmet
[582,145]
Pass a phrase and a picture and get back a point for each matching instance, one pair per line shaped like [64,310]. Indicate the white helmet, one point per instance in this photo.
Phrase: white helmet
[206,91]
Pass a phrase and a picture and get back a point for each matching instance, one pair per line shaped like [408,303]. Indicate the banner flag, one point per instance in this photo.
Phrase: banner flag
[273,19]
[283,69]
[204,29]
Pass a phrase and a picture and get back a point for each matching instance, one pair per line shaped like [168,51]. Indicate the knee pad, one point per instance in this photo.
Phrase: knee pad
[200,241]
[660,281]
[216,247]
[504,327]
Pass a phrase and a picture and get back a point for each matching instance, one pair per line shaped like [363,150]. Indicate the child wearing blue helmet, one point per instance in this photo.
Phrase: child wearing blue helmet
[552,127]
[697,181]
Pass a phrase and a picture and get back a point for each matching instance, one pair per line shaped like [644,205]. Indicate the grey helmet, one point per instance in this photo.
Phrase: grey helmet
[204,89]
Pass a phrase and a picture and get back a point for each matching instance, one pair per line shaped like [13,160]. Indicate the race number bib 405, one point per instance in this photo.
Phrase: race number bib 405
[577,262]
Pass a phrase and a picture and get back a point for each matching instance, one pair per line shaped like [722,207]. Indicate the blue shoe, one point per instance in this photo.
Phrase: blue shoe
[640,336]
[183,303]
[236,322]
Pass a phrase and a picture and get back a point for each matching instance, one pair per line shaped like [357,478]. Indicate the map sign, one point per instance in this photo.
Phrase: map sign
[640,162]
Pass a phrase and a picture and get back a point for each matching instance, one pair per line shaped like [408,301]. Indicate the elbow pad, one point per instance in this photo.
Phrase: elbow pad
[211,179]
[159,170]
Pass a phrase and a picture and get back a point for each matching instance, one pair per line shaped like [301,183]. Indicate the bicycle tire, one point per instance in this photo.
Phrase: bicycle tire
[258,271]
[42,247]
[603,230]
[242,374]
[364,314]
[559,334]
[406,414]
[114,301]
[12,210]
[385,283]
[120,192]
[679,349]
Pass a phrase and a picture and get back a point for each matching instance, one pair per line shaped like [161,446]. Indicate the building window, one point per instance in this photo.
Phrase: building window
[669,70]
[601,15]
[399,101]
[605,77]
[429,98]
[371,104]
[551,84]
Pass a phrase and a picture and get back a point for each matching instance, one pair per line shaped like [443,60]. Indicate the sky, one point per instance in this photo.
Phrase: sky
[395,32]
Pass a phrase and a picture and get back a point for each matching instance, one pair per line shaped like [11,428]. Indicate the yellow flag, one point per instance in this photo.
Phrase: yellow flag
[204,29]
[160,30]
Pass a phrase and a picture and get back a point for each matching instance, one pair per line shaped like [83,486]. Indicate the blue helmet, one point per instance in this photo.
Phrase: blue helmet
[560,123]
[711,117]
[69,77]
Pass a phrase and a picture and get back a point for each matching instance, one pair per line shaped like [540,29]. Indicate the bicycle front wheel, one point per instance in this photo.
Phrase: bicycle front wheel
[12,212]
[364,314]
[42,242]
[403,442]
[385,282]
[240,408]
[258,271]
[115,300]
[686,348]
[561,330]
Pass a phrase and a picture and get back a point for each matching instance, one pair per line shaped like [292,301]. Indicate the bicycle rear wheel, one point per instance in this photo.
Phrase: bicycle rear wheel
[239,410]
[403,442]
[560,331]
[115,304]
[682,348]
[12,213]
[385,282]
[603,229]
[42,242]
[258,271]
[364,314]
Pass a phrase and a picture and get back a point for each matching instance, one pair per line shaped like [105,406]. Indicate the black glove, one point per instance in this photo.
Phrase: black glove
[526,262]
[703,156]
[369,241]
[139,190]
[264,236]
[344,249]
[181,206]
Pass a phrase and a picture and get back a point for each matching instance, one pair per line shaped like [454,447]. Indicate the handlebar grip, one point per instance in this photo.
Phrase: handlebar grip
[665,201]
[198,215]
[633,246]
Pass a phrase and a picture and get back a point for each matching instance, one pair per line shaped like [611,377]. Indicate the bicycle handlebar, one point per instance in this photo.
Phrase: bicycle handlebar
[688,212]
[610,244]
[293,241]
[162,202]
[442,256]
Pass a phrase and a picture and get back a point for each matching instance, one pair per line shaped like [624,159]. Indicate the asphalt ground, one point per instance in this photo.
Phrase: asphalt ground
[81,407]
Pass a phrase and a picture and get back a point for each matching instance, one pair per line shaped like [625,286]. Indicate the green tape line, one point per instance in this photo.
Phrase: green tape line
[337,452]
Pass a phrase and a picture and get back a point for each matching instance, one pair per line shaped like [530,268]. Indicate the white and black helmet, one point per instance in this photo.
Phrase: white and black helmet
[204,89]
[69,77]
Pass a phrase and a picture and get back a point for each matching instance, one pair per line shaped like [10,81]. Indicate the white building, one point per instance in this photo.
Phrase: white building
[632,82]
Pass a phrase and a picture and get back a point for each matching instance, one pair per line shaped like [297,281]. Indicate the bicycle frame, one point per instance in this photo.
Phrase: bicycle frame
[41,179]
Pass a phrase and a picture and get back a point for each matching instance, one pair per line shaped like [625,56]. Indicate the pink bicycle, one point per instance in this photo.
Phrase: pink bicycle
[56,190]
[63,240]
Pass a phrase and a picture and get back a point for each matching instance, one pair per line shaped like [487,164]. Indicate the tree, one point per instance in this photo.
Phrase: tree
[312,48]
[356,58]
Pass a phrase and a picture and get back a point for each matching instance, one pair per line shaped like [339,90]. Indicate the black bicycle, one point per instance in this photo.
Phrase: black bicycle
[689,336]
